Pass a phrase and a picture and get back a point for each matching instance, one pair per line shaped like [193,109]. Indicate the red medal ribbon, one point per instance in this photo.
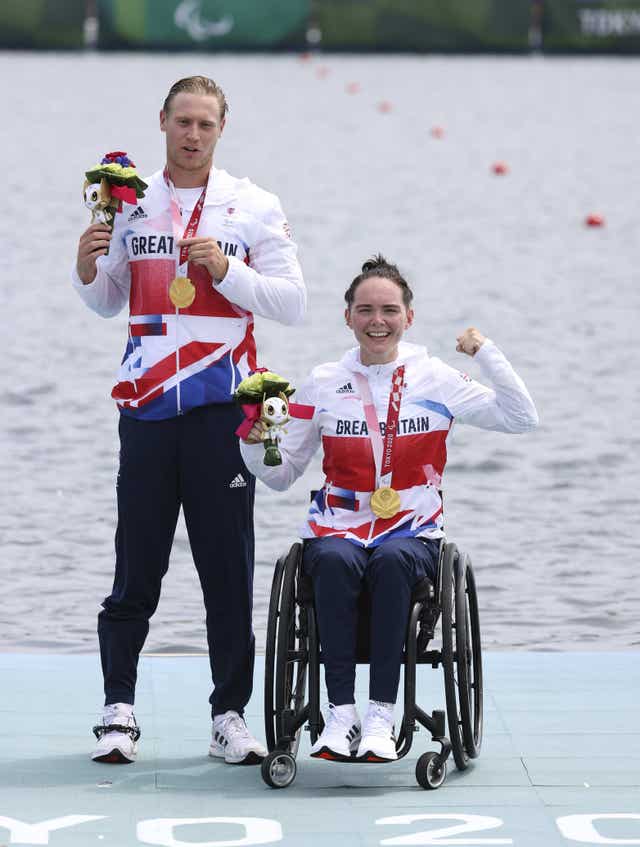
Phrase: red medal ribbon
[382,449]
[194,220]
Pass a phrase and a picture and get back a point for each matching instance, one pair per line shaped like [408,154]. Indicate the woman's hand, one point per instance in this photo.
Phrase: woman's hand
[470,341]
[254,435]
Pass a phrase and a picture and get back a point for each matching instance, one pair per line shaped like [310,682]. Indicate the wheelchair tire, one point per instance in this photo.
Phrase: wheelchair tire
[469,662]
[453,642]
[270,653]
[285,678]
[431,771]
[278,769]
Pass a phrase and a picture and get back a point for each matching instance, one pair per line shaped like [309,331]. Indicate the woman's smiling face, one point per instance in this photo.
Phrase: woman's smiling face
[378,318]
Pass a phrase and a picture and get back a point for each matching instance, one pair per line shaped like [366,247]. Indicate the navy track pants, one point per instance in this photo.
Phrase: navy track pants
[338,569]
[192,460]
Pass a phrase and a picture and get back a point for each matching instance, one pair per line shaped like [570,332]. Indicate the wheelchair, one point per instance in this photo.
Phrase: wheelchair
[293,657]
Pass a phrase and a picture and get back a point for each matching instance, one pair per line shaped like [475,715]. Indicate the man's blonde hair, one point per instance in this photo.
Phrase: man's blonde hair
[197,85]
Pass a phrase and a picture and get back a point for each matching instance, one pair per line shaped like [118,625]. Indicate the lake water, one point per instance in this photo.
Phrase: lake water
[550,519]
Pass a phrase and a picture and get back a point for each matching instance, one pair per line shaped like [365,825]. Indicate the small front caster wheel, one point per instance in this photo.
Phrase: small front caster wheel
[431,771]
[278,769]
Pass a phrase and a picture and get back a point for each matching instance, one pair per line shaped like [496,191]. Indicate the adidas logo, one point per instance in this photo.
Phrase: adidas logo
[347,388]
[354,732]
[238,482]
[137,215]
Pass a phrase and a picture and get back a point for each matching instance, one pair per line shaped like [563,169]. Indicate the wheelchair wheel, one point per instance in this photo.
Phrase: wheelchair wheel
[278,769]
[286,657]
[431,771]
[453,644]
[270,653]
[469,662]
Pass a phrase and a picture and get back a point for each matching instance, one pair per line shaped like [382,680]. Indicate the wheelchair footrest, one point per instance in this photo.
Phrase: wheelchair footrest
[330,756]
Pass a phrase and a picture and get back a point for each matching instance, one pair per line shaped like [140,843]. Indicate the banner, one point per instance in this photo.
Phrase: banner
[424,25]
[203,24]
[611,26]
[605,26]
[42,23]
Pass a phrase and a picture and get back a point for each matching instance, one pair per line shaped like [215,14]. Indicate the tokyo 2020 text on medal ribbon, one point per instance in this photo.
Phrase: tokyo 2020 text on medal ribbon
[385,500]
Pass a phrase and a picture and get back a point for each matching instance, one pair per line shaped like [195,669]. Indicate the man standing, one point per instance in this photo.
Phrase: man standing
[198,256]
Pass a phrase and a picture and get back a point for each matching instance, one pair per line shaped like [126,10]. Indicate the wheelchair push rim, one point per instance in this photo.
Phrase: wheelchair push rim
[461,661]
[469,662]
[270,654]
[286,654]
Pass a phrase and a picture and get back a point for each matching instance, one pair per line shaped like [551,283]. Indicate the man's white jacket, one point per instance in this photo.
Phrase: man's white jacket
[175,359]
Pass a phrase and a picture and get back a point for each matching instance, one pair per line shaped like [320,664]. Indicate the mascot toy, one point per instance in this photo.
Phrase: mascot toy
[265,396]
[110,183]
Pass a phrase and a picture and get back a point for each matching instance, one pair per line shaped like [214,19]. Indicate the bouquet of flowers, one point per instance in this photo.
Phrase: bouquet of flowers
[109,183]
[264,396]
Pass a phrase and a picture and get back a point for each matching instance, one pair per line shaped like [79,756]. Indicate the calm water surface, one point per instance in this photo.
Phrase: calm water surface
[550,519]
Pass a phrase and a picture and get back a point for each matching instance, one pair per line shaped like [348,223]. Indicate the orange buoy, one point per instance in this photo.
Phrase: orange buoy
[304,57]
[437,132]
[500,168]
[322,72]
[594,220]
[385,106]
[352,87]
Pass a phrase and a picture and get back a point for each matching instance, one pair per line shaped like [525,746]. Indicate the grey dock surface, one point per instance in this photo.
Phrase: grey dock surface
[560,763]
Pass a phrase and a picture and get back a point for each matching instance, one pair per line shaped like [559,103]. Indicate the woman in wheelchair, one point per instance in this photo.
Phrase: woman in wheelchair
[382,415]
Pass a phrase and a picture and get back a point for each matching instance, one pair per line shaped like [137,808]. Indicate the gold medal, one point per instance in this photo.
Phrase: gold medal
[182,292]
[385,502]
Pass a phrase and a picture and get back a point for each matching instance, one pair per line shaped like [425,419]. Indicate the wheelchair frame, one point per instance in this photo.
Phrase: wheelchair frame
[293,658]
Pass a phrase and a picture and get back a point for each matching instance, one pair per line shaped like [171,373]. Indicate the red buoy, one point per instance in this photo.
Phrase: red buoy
[385,106]
[305,57]
[352,87]
[500,168]
[594,220]
[437,132]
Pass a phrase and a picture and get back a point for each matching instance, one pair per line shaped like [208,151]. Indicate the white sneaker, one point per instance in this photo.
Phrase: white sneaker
[341,734]
[117,735]
[378,742]
[232,741]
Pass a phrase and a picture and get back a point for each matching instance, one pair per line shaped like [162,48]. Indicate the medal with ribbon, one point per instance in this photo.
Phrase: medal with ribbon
[182,292]
[385,500]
